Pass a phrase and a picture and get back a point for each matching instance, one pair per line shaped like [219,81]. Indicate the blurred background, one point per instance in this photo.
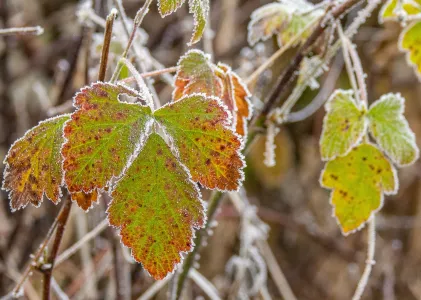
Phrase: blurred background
[40,74]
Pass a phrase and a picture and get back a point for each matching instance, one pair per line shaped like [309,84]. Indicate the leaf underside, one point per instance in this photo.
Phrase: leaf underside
[358,182]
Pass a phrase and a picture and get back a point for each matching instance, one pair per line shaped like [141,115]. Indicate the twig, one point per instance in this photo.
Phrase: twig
[86,238]
[37,30]
[49,266]
[204,284]
[154,288]
[290,74]
[106,45]
[370,259]
[151,74]
[276,271]
[252,78]
[37,256]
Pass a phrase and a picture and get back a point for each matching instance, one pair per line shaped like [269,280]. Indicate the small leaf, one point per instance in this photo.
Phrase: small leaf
[268,20]
[167,7]
[285,19]
[200,11]
[102,136]
[207,146]
[196,74]
[344,125]
[237,98]
[358,182]
[391,10]
[157,207]
[33,165]
[85,200]
[391,130]
[410,42]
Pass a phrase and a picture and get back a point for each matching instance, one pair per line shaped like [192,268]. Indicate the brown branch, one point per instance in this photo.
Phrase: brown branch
[106,46]
[61,225]
[290,74]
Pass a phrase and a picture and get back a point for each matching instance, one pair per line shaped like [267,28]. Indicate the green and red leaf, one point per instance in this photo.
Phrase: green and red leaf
[157,208]
[102,135]
[33,165]
[200,133]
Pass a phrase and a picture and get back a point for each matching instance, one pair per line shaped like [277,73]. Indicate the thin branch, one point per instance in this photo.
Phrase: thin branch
[370,260]
[37,30]
[106,45]
[38,254]
[49,266]
[204,284]
[151,74]
[155,288]
[86,238]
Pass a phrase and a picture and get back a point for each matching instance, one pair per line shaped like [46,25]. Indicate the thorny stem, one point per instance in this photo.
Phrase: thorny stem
[61,225]
[286,78]
[38,254]
[106,46]
[37,30]
[370,260]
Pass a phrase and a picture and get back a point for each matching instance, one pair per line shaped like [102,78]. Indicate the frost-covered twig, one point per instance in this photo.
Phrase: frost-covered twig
[370,259]
[86,238]
[155,288]
[204,284]
[37,30]
[106,45]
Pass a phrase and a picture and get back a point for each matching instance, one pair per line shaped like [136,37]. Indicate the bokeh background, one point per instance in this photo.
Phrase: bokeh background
[40,74]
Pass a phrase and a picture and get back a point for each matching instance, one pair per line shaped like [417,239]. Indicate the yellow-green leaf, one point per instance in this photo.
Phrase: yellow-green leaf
[410,42]
[200,11]
[201,133]
[102,135]
[157,208]
[167,7]
[391,10]
[358,182]
[344,125]
[33,165]
[391,130]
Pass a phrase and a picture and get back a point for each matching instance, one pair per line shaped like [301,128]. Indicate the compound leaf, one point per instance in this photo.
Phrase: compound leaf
[157,208]
[391,130]
[344,125]
[102,135]
[199,127]
[33,164]
[410,42]
[167,7]
[196,74]
[358,182]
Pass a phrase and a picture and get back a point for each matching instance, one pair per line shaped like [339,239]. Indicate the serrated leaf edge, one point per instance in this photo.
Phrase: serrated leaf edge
[407,127]
[408,52]
[203,203]
[163,15]
[7,166]
[382,194]
[328,109]
[226,124]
